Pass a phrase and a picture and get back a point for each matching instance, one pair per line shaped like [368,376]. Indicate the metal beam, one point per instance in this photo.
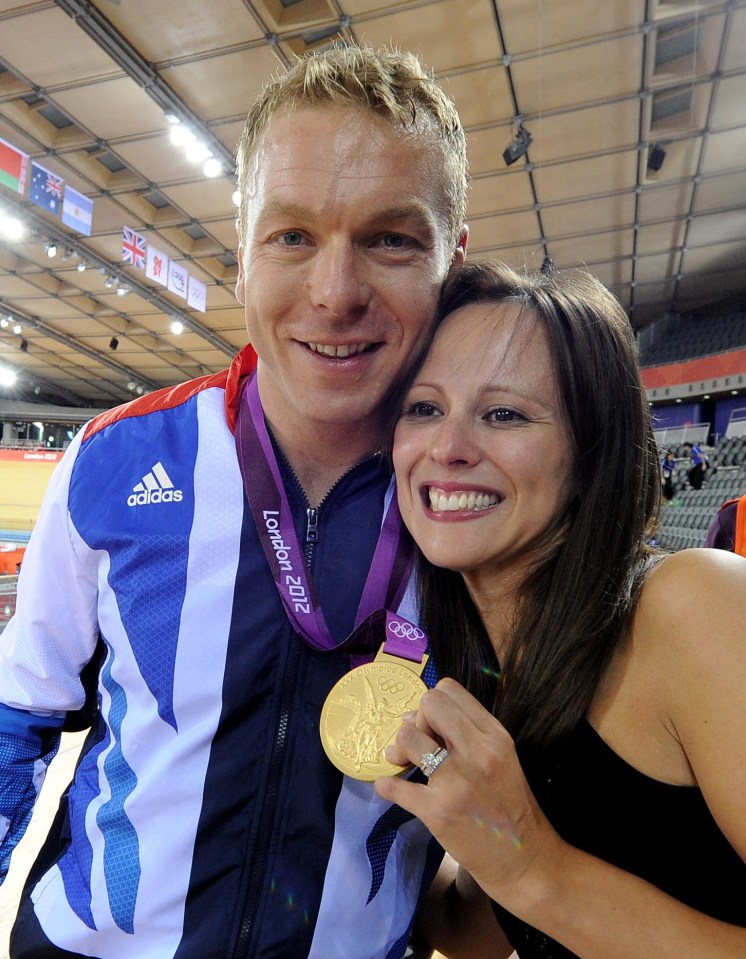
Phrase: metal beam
[46,228]
[36,323]
[124,54]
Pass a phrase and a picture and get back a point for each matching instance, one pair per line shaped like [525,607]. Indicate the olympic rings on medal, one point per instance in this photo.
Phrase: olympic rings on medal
[390,685]
[405,631]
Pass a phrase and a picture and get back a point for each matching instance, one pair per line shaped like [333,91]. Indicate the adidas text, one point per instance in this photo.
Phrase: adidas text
[148,497]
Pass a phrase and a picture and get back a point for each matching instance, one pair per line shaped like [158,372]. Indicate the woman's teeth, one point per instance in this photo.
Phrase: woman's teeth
[441,502]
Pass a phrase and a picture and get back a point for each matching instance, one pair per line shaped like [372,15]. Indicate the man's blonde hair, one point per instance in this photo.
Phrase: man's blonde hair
[390,83]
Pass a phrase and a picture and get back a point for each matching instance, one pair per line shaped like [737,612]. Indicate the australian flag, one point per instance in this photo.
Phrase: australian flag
[133,248]
[46,188]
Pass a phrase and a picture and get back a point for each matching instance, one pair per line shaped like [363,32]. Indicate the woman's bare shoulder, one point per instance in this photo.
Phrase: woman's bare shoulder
[691,623]
[692,585]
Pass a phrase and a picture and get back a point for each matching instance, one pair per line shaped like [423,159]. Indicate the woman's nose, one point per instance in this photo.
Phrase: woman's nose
[454,443]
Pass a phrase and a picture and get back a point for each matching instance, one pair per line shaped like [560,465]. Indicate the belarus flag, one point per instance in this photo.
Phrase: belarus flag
[13,166]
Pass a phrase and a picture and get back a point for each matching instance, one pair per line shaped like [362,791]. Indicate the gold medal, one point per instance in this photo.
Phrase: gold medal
[362,714]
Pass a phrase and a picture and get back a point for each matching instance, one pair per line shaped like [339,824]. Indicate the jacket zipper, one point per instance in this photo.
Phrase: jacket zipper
[312,532]
[269,806]
[279,746]
[274,778]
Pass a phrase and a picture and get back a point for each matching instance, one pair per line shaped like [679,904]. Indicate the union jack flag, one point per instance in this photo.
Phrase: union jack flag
[54,185]
[133,248]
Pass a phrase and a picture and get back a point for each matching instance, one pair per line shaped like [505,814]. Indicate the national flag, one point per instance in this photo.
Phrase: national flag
[156,267]
[178,278]
[133,248]
[77,211]
[46,188]
[196,294]
[13,167]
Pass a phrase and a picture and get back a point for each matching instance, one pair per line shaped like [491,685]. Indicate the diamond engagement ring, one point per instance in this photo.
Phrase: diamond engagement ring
[430,761]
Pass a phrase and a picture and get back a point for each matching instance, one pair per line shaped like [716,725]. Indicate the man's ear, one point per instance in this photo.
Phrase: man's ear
[240,281]
[459,254]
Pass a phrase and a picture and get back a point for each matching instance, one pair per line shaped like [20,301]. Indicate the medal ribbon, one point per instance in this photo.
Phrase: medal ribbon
[392,559]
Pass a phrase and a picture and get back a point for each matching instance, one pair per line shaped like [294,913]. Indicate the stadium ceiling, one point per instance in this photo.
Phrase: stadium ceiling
[633,163]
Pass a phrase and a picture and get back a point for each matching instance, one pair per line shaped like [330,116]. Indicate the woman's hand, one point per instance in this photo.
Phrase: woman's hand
[477,803]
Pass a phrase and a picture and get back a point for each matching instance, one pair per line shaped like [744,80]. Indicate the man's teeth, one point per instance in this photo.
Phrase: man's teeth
[441,502]
[349,349]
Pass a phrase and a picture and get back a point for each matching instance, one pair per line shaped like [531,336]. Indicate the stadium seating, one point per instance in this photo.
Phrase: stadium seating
[692,336]
[685,520]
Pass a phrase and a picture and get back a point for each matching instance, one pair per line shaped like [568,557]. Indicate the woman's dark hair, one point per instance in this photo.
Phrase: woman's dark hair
[575,607]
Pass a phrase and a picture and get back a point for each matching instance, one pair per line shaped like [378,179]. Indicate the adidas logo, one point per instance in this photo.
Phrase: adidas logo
[155,487]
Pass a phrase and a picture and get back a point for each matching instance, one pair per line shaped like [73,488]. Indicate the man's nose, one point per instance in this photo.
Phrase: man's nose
[338,281]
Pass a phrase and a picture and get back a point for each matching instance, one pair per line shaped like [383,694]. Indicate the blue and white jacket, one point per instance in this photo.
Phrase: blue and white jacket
[204,819]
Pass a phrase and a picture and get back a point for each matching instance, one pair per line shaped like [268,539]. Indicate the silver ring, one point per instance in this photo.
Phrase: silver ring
[430,761]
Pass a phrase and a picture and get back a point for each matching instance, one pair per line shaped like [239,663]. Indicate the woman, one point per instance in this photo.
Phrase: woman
[587,759]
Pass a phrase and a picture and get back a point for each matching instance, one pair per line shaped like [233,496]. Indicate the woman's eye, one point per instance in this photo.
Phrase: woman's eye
[420,410]
[504,415]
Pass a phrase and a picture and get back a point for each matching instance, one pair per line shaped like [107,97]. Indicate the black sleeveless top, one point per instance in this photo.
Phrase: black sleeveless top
[665,834]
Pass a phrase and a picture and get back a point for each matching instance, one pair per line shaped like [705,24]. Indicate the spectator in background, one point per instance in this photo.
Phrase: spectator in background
[668,468]
[728,528]
[696,474]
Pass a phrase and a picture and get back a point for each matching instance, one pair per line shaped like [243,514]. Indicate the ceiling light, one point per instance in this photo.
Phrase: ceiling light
[171,118]
[180,136]
[109,282]
[139,390]
[236,198]
[177,327]
[18,329]
[131,385]
[8,377]
[4,320]
[122,291]
[515,150]
[80,267]
[51,249]
[67,254]
[11,227]
[113,343]
[212,168]
[196,151]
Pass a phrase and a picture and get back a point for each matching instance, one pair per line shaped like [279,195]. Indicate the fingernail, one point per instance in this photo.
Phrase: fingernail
[409,717]
[389,752]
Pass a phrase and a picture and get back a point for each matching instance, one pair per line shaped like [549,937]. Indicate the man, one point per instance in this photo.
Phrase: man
[204,818]
[696,474]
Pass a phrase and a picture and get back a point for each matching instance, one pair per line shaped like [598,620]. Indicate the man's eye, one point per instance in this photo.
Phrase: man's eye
[394,241]
[292,238]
